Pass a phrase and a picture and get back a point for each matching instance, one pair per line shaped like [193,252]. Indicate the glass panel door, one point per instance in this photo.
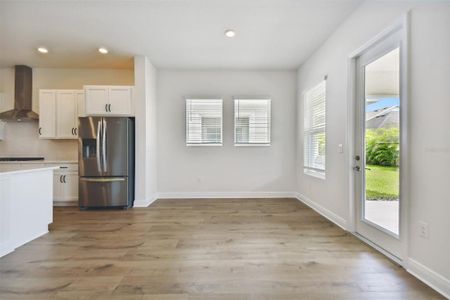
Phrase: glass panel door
[378,143]
[382,142]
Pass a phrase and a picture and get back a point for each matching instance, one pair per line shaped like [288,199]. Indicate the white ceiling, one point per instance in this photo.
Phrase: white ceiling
[270,34]
[383,75]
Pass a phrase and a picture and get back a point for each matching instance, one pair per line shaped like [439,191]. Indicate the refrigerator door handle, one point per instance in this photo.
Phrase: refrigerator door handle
[99,129]
[110,179]
[104,153]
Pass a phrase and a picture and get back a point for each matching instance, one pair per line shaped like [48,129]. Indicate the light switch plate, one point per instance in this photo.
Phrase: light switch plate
[2,130]
[423,230]
[341,148]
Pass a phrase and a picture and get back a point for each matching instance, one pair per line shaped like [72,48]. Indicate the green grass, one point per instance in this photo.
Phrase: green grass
[382,183]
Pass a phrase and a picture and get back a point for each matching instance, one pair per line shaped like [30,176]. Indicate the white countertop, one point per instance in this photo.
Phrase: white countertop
[41,162]
[18,172]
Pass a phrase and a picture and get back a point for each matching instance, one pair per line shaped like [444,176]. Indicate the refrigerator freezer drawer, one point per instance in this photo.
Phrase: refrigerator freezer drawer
[103,192]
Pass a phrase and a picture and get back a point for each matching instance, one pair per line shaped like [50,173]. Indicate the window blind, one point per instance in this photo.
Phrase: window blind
[252,121]
[314,145]
[203,122]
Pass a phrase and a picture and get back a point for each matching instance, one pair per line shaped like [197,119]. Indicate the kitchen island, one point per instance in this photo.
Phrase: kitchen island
[26,206]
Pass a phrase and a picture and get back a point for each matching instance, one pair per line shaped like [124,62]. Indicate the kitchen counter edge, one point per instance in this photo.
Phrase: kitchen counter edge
[17,172]
[41,162]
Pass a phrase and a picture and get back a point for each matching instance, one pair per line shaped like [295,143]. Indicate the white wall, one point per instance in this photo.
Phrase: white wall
[146,150]
[226,170]
[429,127]
[152,133]
[430,136]
[22,138]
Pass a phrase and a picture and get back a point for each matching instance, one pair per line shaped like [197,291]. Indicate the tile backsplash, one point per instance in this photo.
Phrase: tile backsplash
[22,139]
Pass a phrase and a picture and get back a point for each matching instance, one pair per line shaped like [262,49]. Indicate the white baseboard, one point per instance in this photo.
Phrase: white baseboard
[145,202]
[429,277]
[339,221]
[215,195]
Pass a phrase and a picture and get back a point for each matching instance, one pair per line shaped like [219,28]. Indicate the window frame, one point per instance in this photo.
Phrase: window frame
[269,112]
[187,143]
[309,170]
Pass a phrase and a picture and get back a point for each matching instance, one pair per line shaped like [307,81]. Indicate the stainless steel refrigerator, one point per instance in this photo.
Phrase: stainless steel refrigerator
[106,162]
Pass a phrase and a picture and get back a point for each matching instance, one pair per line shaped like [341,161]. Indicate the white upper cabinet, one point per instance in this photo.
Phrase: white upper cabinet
[66,115]
[47,113]
[79,95]
[109,100]
[120,100]
[58,113]
[96,100]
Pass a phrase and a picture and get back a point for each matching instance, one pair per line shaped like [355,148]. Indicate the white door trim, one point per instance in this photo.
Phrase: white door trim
[403,24]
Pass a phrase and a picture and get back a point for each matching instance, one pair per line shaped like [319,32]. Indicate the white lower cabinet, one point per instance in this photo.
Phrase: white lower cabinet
[65,187]
[58,188]
[65,179]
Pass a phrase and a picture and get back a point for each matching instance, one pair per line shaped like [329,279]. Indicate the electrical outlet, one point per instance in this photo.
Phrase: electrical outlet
[423,230]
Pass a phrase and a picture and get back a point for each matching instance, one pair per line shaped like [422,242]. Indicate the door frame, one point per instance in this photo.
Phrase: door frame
[403,25]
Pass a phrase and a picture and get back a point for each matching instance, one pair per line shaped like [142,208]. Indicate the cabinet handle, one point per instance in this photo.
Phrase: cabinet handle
[40,130]
[72,132]
[60,178]
[64,178]
[106,107]
[76,131]
[109,107]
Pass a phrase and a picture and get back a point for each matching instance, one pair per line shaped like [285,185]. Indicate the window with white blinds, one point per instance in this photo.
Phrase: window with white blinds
[314,130]
[203,122]
[251,122]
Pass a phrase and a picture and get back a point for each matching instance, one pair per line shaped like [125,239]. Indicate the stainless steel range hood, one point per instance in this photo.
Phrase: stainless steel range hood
[23,87]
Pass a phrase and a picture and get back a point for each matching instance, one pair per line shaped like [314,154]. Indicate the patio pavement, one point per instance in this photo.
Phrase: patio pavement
[383,213]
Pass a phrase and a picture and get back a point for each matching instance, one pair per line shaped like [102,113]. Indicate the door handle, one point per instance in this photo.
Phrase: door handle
[98,154]
[102,179]
[104,153]
[357,168]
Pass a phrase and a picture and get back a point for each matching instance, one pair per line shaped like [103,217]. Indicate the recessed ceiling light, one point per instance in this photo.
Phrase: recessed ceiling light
[42,50]
[230,33]
[103,50]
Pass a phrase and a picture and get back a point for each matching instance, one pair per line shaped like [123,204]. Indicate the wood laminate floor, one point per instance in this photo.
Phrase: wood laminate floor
[202,249]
